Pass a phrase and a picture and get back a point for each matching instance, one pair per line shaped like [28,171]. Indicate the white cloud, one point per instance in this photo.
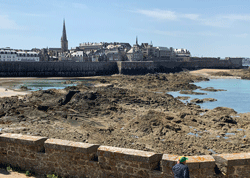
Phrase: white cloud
[159,14]
[184,33]
[168,33]
[191,16]
[243,35]
[166,15]
[214,21]
[35,15]
[7,23]
[234,17]
[79,6]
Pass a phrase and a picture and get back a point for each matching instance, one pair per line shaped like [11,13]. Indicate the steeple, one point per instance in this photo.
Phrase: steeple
[64,41]
[136,40]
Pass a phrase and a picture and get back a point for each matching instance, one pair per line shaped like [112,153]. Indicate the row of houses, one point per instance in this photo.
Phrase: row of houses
[117,51]
[94,52]
[7,54]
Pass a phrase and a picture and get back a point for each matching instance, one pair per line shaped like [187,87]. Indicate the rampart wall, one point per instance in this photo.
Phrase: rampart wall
[76,69]
[75,159]
[62,69]
[139,67]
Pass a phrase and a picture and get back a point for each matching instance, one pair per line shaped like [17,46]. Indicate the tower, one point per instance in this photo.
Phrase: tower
[136,40]
[64,41]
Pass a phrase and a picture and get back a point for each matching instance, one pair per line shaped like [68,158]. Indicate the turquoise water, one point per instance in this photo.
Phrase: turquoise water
[237,95]
[45,84]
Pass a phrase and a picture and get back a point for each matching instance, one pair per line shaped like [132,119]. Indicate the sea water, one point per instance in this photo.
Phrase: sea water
[45,84]
[236,96]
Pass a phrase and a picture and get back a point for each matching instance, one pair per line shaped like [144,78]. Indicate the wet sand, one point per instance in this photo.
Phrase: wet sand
[9,93]
[210,73]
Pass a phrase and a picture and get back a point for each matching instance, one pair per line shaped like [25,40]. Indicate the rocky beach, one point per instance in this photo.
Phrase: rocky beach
[132,112]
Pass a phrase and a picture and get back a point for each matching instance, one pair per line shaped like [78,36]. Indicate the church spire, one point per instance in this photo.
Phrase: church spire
[136,40]
[64,41]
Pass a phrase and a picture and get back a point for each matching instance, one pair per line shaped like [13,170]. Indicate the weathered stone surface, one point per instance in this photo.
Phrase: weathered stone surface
[75,159]
[70,146]
[235,159]
[169,160]
[200,162]
[128,154]
[22,139]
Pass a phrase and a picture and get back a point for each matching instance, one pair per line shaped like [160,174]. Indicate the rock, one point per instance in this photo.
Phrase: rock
[196,100]
[191,92]
[211,89]
[24,88]
[182,97]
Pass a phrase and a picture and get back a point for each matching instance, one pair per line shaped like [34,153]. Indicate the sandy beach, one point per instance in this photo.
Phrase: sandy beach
[209,73]
[9,93]
[6,84]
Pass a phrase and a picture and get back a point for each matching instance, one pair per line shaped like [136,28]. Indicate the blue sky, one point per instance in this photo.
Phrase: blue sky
[214,28]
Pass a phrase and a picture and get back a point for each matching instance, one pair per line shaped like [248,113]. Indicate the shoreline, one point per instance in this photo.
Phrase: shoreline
[5,83]
[208,73]
[10,93]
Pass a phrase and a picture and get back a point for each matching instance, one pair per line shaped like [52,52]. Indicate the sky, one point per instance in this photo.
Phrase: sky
[207,28]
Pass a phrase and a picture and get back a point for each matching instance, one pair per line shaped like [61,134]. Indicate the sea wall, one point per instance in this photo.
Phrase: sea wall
[60,69]
[74,159]
[77,69]
[138,67]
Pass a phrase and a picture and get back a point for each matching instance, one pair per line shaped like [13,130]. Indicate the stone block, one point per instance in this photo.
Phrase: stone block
[200,162]
[70,146]
[168,160]
[22,139]
[233,159]
[128,154]
[156,174]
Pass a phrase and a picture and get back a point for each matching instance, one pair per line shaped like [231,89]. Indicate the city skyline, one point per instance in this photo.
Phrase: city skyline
[214,28]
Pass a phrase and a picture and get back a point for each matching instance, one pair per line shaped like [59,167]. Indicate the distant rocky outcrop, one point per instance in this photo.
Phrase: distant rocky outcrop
[182,97]
[211,89]
[191,92]
[196,100]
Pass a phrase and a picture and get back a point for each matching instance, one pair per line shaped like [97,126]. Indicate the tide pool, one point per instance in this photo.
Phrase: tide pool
[236,97]
[45,84]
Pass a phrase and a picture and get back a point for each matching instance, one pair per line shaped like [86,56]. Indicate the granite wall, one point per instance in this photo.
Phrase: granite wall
[75,159]
[56,69]
[78,69]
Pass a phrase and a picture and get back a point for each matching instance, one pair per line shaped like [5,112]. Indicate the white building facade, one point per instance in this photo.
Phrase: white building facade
[8,54]
[27,56]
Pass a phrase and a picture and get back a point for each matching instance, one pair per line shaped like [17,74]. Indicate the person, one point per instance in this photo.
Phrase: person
[181,170]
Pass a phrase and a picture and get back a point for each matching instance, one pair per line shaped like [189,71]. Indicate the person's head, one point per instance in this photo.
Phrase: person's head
[182,159]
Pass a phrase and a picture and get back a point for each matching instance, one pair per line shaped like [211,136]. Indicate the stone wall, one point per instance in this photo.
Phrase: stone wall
[60,69]
[127,67]
[78,69]
[74,159]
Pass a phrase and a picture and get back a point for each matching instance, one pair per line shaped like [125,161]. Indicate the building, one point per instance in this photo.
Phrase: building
[91,46]
[27,56]
[148,50]
[79,56]
[182,52]
[135,55]
[64,41]
[163,52]
[7,54]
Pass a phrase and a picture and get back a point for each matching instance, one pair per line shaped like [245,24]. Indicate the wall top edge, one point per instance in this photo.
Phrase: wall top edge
[126,151]
[127,154]
[22,139]
[234,156]
[66,145]
[115,152]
